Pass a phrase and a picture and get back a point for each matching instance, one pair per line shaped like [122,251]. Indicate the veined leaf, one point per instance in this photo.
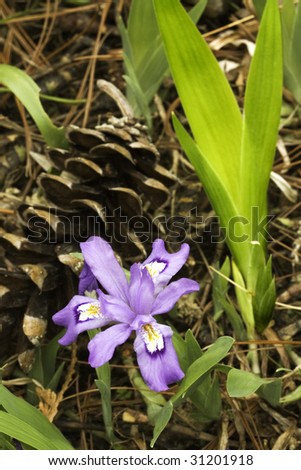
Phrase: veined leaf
[244,298]
[197,10]
[290,20]
[261,115]
[28,92]
[142,32]
[295,44]
[209,103]
[24,432]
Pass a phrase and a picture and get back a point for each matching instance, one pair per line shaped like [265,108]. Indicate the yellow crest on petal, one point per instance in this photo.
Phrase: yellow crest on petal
[155,268]
[89,311]
[152,338]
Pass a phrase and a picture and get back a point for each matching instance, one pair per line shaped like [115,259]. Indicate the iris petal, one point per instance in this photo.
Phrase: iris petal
[160,256]
[167,298]
[102,261]
[117,309]
[103,345]
[141,291]
[69,317]
[160,368]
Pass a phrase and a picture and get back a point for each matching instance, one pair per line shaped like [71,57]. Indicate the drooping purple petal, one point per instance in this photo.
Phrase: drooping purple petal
[87,280]
[168,297]
[103,345]
[81,314]
[100,258]
[161,367]
[163,265]
[141,291]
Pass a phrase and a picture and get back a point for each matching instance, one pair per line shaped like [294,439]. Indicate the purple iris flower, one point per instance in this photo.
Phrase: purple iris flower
[131,306]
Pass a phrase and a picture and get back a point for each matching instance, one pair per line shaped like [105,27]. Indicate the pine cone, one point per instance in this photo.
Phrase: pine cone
[108,183]
[29,274]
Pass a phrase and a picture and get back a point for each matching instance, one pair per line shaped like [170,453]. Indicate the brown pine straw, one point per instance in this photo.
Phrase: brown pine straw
[92,66]
[7,211]
[62,12]
[90,72]
[47,29]
[22,38]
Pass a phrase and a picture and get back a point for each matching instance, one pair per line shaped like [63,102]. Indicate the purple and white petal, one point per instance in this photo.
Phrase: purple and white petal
[81,314]
[162,265]
[141,291]
[103,345]
[87,280]
[157,357]
[168,297]
[102,261]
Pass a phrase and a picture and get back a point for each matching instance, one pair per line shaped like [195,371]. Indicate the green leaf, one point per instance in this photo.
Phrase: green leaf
[271,392]
[27,424]
[49,356]
[203,364]
[5,443]
[210,106]
[162,421]
[234,318]
[296,41]
[222,201]
[220,286]
[24,432]
[54,381]
[241,384]
[141,33]
[193,349]
[196,12]
[291,41]
[266,304]
[259,6]
[194,373]
[245,301]
[207,398]
[257,264]
[262,108]
[28,92]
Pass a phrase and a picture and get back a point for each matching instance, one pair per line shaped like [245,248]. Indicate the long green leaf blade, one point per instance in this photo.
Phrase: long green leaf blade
[221,200]
[206,96]
[261,114]
[141,32]
[24,432]
[23,411]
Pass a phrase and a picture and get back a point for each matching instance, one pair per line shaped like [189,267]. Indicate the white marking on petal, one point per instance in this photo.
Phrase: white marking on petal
[89,311]
[152,337]
[155,268]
